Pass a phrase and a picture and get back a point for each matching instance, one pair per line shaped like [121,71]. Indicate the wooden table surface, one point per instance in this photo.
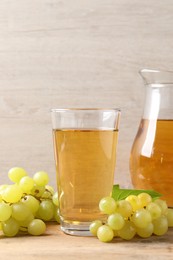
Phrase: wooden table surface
[56,245]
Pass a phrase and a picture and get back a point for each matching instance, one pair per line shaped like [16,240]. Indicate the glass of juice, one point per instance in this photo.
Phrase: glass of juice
[85,144]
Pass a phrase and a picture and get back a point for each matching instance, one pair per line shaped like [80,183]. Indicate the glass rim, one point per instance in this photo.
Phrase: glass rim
[156,77]
[85,109]
[152,70]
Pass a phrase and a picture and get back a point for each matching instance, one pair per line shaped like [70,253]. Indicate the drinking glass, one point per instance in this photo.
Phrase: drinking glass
[85,142]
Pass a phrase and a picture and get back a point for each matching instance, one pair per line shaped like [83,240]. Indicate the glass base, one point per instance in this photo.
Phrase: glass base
[76,229]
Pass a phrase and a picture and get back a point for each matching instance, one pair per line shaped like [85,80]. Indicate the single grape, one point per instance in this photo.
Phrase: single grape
[37,191]
[46,195]
[134,201]
[116,221]
[41,178]
[146,232]
[46,210]
[10,227]
[5,211]
[36,227]
[124,208]
[160,225]
[24,223]
[31,202]
[50,189]
[94,226]
[141,218]
[55,198]
[154,210]
[20,211]
[37,215]
[162,204]
[2,188]
[144,198]
[105,233]
[16,173]
[128,231]
[12,193]
[170,217]
[107,205]
[26,183]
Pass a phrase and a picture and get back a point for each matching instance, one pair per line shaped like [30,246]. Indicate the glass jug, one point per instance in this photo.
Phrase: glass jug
[151,159]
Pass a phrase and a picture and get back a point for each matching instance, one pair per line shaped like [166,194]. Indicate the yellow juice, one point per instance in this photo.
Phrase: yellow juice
[151,162]
[85,164]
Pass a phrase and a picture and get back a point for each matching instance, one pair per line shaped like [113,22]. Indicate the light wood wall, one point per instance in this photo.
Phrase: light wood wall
[75,53]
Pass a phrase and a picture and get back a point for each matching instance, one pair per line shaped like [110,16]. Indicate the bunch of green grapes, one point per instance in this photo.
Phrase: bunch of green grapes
[27,203]
[135,215]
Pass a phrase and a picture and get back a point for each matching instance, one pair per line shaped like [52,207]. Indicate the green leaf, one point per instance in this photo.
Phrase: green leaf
[121,194]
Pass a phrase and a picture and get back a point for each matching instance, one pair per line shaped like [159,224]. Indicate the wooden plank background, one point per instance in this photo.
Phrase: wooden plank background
[75,53]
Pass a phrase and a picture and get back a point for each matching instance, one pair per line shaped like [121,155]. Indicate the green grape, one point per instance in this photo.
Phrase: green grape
[107,205]
[105,233]
[0,198]
[0,226]
[145,232]
[124,208]
[56,215]
[128,231]
[55,198]
[134,201]
[154,210]
[160,225]
[46,195]
[26,183]
[10,227]
[24,223]
[37,191]
[37,215]
[50,189]
[162,204]
[31,202]
[94,226]
[2,188]
[46,210]
[141,218]
[170,217]
[41,178]
[36,227]
[16,173]
[5,211]
[12,193]
[20,211]
[144,198]
[116,221]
